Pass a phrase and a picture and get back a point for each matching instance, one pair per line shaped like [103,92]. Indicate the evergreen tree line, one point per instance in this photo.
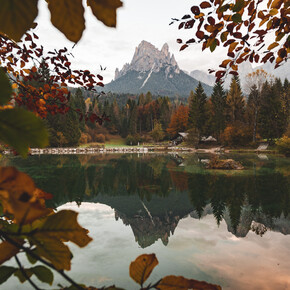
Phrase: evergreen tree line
[228,116]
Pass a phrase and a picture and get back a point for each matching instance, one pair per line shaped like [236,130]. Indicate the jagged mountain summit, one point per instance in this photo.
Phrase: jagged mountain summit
[153,70]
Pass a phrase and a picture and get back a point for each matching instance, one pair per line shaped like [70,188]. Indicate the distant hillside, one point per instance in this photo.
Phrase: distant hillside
[155,71]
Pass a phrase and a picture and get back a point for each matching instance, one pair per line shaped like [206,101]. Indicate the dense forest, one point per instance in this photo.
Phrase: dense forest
[229,116]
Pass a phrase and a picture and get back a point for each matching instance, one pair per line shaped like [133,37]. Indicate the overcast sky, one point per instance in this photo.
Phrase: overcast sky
[137,20]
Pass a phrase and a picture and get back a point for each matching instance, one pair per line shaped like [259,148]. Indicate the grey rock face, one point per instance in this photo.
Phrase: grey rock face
[148,58]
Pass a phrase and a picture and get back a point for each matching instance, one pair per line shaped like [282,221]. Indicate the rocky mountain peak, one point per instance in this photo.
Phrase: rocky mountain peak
[149,58]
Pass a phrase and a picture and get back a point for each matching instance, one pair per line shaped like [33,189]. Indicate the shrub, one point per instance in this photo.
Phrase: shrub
[101,138]
[283,145]
[236,134]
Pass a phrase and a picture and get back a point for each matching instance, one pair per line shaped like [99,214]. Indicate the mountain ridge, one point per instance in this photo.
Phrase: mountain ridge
[153,70]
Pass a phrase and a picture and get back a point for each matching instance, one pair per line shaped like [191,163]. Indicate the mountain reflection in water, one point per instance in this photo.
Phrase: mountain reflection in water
[152,193]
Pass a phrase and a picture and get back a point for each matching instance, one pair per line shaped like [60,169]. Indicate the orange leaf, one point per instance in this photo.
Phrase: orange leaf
[34,69]
[233,46]
[17,196]
[7,251]
[225,63]
[14,86]
[273,45]
[179,282]
[142,267]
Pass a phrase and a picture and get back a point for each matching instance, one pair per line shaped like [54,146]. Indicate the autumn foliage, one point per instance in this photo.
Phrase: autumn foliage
[178,121]
[241,27]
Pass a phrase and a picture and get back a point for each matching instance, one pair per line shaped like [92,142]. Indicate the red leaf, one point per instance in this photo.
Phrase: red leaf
[178,40]
[184,46]
[195,10]
[181,25]
[204,5]
[200,34]
[100,77]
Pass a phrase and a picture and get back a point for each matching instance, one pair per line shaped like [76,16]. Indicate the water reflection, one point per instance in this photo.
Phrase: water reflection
[152,193]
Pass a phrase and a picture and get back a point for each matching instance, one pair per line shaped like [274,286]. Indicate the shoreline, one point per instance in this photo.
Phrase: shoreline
[134,149]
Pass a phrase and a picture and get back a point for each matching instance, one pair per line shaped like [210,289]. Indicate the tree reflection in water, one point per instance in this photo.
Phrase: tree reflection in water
[151,193]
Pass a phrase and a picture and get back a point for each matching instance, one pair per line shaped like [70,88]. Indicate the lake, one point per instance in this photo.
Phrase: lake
[230,228]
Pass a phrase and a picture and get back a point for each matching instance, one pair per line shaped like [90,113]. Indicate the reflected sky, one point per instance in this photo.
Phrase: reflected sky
[198,249]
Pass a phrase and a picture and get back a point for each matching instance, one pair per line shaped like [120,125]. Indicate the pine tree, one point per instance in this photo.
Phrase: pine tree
[71,129]
[197,113]
[253,106]
[218,100]
[235,102]
[272,121]
[80,105]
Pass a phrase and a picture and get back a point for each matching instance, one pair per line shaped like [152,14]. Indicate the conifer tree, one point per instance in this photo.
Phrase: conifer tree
[218,100]
[272,121]
[253,106]
[80,105]
[197,113]
[235,102]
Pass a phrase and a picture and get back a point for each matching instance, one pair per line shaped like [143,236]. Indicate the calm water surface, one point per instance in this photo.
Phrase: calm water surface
[230,228]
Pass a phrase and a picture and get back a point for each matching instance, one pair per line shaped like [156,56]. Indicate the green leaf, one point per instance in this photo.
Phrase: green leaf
[43,274]
[17,16]
[31,259]
[237,18]
[18,273]
[213,45]
[239,5]
[5,88]
[21,129]
[5,273]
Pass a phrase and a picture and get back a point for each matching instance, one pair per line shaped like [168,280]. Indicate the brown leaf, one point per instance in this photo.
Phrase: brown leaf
[17,196]
[53,250]
[17,16]
[105,10]
[142,267]
[7,251]
[63,225]
[179,282]
[68,17]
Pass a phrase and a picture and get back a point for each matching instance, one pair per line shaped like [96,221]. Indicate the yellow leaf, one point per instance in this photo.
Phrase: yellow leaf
[63,225]
[179,282]
[7,251]
[17,16]
[14,86]
[277,4]
[68,17]
[232,46]
[17,196]
[142,267]
[53,250]
[273,45]
[273,11]
[105,10]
